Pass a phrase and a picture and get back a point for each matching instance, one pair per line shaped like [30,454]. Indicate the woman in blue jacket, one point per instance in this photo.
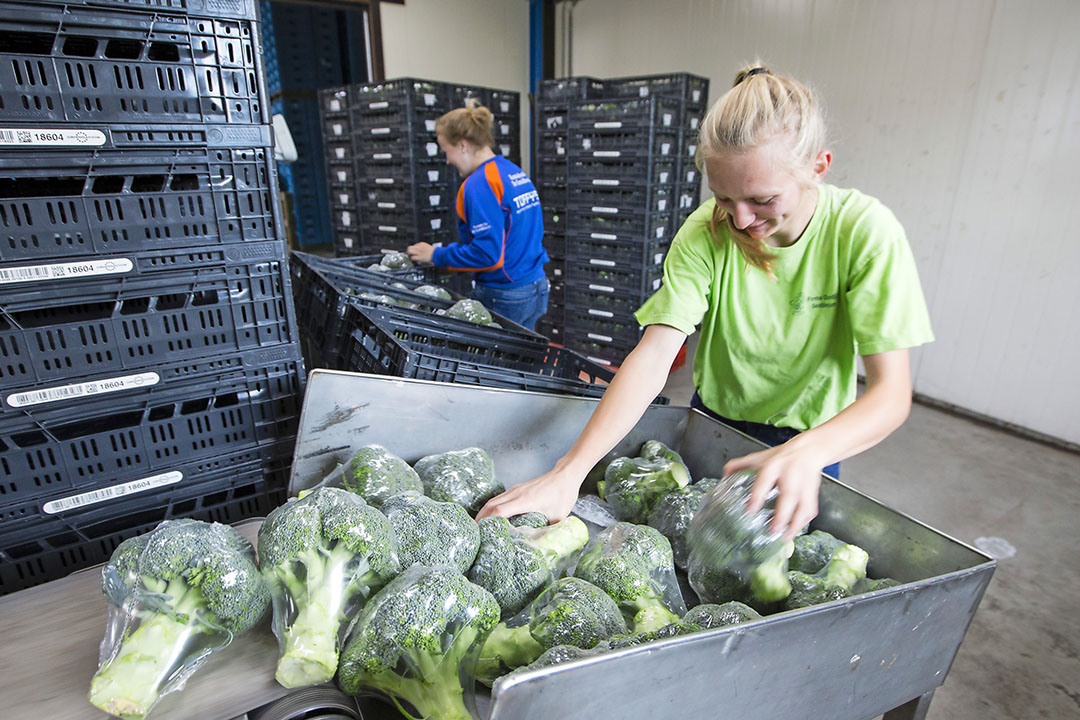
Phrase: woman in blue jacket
[499,219]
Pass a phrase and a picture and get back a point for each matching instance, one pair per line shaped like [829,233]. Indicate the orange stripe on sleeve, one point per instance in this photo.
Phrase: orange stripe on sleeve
[461,203]
[494,179]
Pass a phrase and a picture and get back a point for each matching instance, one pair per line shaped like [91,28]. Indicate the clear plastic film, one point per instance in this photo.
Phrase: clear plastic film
[470,310]
[674,512]
[417,641]
[466,477]
[396,260]
[430,532]
[323,556]
[570,611]
[634,565]
[375,474]
[433,291]
[516,563]
[176,595]
[633,486]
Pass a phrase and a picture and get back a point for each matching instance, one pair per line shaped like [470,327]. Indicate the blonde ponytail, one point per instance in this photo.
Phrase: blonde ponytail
[473,123]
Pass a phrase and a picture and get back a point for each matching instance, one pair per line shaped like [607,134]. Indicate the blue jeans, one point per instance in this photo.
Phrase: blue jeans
[768,434]
[524,304]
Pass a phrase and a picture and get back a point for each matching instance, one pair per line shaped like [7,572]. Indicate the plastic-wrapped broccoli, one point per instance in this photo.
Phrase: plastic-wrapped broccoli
[430,532]
[530,519]
[564,653]
[516,563]
[433,291]
[674,512]
[466,477]
[416,638]
[377,267]
[764,586]
[869,585]
[845,568]
[813,551]
[634,485]
[570,611]
[674,629]
[396,261]
[711,615]
[374,473]
[323,556]
[633,564]
[176,595]
[471,310]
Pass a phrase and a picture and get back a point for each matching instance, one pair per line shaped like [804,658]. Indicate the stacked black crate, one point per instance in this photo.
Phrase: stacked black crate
[335,108]
[150,365]
[549,173]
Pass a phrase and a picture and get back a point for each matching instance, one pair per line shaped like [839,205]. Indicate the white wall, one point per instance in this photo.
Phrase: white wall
[479,42]
[964,118]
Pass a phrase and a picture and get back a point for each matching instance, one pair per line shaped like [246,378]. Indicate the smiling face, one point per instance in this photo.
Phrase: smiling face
[763,196]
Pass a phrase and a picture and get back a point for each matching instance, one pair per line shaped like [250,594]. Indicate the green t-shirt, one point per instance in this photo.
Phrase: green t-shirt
[783,351]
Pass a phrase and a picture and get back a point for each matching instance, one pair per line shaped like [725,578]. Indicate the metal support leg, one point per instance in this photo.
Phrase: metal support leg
[912,710]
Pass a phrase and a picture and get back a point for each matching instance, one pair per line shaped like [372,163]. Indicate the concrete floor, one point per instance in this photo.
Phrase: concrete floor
[1020,656]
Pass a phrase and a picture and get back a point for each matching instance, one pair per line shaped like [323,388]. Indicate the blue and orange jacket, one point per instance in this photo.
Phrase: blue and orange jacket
[501,226]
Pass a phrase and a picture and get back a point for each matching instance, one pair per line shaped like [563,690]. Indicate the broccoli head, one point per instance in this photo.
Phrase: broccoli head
[634,485]
[570,611]
[530,519]
[471,310]
[430,532]
[845,568]
[710,615]
[633,564]
[813,551]
[323,556]
[646,636]
[184,580]
[396,261]
[374,473]
[466,477]
[432,291]
[765,586]
[410,640]
[564,653]
[868,585]
[673,513]
[515,564]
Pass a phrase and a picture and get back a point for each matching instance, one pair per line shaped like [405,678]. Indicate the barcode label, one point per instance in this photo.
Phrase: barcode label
[612,183]
[388,228]
[601,338]
[602,288]
[601,313]
[99,496]
[65,271]
[606,210]
[384,181]
[86,389]
[610,125]
[380,131]
[603,236]
[51,137]
[604,263]
[387,206]
[607,153]
[378,105]
[382,156]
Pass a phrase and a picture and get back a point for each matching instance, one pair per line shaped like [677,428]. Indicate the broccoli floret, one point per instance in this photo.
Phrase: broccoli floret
[766,585]
[515,564]
[570,611]
[710,615]
[867,585]
[396,261]
[430,532]
[184,578]
[813,551]
[466,477]
[564,653]
[530,519]
[433,291]
[845,568]
[633,564]
[646,636]
[323,556]
[634,485]
[470,310]
[374,473]
[410,640]
[674,512]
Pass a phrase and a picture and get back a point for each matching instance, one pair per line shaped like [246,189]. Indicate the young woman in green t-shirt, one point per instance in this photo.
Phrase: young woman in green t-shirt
[790,280]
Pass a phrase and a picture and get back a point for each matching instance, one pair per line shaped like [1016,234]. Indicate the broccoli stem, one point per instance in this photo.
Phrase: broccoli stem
[563,539]
[769,580]
[651,615]
[846,566]
[509,647]
[311,649]
[129,685]
[435,691]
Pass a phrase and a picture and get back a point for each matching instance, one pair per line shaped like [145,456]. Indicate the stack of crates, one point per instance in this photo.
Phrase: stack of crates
[149,358]
[629,148]
[388,181]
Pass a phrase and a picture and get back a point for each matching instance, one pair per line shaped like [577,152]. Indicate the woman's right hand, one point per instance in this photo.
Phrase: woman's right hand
[553,493]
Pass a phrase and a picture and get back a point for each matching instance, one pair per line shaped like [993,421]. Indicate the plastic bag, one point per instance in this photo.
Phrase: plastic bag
[176,595]
[466,477]
[396,260]
[375,474]
[323,556]
[430,532]
[634,485]
[470,310]
[433,291]
[675,511]
[417,642]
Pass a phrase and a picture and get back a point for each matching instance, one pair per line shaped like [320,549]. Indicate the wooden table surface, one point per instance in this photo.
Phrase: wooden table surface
[51,635]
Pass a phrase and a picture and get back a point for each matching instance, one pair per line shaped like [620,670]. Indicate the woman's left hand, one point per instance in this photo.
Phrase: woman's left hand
[420,252]
[795,469]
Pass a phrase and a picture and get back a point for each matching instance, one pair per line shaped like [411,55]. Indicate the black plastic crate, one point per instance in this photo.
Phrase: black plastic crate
[386,344]
[638,226]
[604,354]
[640,280]
[603,303]
[337,130]
[688,198]
[419,173]
[437,219]
[88,203]
[556,269]
[622,199]
[551,193]
[620,331]
[341,172]
[604,115]
[689,175]
[51,546]
[344,197]
[550,170]
[346,217]
[622,173]
[690,119]
[402,194]
[691,89]
[570,88]
[460,95]
[552,117]
[396,119]
[85,448]
[399,150]
[119,323]
[379,95]
[88,64]
[687,148]
[628,143]
[506,129]
[555,246]
[553,146]
[505,103]
[74,136]
[301,261]
[616,253]
[240,9]
[335,102]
